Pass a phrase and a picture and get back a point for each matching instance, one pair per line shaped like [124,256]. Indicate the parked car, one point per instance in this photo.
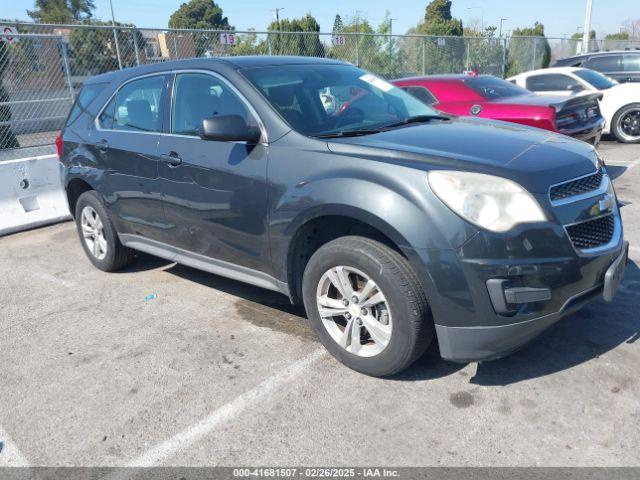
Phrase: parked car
[486,96]
[393,224]
[623,66]
[620,103]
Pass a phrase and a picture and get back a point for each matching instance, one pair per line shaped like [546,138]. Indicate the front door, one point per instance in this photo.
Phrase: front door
[214,193]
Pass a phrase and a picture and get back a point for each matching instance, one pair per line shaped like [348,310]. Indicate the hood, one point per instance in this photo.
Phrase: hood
[533,157]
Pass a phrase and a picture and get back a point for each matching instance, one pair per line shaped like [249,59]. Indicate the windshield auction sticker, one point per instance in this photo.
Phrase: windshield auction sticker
[376,82]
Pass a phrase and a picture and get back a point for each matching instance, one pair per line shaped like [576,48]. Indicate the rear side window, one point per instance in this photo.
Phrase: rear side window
[83,100]
[135,107]
[552,83]
[421,93]
[605,63]
[631,63]
[198,96]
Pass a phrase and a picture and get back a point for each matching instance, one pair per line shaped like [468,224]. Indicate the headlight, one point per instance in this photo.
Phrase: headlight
[492,203]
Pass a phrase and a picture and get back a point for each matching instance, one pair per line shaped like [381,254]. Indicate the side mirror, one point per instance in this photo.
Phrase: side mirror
[229,128]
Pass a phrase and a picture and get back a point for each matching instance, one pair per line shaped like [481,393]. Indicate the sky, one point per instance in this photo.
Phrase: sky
[560,17]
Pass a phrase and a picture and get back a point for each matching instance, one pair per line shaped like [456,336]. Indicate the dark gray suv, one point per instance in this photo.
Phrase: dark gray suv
[391,222]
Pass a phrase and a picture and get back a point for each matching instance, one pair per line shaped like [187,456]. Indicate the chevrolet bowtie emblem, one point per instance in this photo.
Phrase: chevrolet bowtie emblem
[605,204]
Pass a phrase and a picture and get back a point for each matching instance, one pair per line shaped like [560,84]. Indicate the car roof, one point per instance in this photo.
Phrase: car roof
[601,52]
[547,71]
[442,77]
[237,62]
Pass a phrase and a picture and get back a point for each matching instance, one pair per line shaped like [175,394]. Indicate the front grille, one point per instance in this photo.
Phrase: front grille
[592,233]
[576,187]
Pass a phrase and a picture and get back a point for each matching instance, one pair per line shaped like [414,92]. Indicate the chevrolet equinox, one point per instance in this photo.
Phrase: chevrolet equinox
[391,222]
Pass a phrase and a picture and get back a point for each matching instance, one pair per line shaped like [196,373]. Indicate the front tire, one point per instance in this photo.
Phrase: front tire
[98,236]
[367,306]
[625,124]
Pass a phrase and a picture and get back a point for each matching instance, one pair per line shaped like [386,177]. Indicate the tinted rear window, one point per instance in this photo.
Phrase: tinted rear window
[494,88]
[605,63]
[83,100]
[631,63]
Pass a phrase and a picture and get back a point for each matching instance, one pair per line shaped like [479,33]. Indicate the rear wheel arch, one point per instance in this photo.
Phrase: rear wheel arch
[75,188]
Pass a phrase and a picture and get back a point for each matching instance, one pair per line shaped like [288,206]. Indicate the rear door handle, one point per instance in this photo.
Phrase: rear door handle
[172,158]
[102,146]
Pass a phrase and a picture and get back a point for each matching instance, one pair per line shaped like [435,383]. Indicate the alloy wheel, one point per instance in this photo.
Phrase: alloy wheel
[93,232]
[629,125]
[354,311]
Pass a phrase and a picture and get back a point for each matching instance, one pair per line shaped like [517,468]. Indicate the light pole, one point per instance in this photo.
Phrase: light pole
[587,27]
[501,20]
[277,12]
[481,13]
[115,35]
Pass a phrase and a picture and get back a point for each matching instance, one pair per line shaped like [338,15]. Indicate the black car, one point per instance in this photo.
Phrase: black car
[391,222]
[623,66]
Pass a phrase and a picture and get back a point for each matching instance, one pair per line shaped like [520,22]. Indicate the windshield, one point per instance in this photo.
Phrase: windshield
[495,88]
[596,79]
[319,100]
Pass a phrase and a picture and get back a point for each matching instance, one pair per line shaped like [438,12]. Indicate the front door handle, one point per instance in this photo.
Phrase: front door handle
[172,158]
[102,146]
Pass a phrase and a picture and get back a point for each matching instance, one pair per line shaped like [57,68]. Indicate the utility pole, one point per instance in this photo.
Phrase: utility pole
[277,12]
[586,31]
[115,35]
[501,20]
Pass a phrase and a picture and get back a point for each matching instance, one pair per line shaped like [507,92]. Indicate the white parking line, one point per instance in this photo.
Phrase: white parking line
[158,454]
[10,455]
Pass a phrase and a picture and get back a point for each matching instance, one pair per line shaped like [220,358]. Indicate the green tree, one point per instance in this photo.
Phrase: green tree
[443,52]
[337,24]
[617,36]
[61,11]
[7,138]
[288,44]
[199,14]
[528,49]
[484,51]
[92,50]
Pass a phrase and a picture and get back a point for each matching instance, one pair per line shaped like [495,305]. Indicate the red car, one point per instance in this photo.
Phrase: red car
[491,97]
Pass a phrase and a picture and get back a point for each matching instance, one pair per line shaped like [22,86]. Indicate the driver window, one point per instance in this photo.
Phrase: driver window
[198,96]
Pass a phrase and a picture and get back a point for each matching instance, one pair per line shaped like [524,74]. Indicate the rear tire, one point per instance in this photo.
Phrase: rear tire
[98,236]
[625,124]
[390,327]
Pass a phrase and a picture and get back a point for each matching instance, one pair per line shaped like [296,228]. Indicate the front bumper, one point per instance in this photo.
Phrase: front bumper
[569,290]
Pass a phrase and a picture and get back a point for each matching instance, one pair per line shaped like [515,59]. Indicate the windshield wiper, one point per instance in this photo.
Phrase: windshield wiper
[350,133]
[415,119]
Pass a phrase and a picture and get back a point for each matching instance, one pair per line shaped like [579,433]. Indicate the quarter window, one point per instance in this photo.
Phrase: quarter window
[552,83]
[198,96]
[135,107]
[632,63]
[421,93]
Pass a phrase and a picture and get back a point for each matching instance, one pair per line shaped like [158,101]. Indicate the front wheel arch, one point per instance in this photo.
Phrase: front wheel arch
[615,124]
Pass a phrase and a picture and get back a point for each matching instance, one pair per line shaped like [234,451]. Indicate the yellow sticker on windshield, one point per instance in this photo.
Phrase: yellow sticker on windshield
[376,82]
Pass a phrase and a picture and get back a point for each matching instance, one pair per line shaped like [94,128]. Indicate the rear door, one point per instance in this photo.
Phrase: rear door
[631,66]
[215,193]
[126,144]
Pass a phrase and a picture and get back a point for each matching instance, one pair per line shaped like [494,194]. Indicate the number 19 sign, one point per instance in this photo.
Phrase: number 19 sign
[228,38]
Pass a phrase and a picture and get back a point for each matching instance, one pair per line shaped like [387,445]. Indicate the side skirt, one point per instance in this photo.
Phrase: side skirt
[201,262]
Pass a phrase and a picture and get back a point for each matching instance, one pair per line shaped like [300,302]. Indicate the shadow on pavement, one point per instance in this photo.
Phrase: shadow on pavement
[581,337]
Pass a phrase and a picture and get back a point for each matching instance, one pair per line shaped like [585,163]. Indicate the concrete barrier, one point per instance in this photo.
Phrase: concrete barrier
[31,194]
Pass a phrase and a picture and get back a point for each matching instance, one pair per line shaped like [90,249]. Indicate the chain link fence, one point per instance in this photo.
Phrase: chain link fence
[35,94]
[44,66]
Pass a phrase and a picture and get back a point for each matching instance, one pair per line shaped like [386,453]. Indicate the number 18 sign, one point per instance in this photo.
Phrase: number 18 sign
[228,38]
